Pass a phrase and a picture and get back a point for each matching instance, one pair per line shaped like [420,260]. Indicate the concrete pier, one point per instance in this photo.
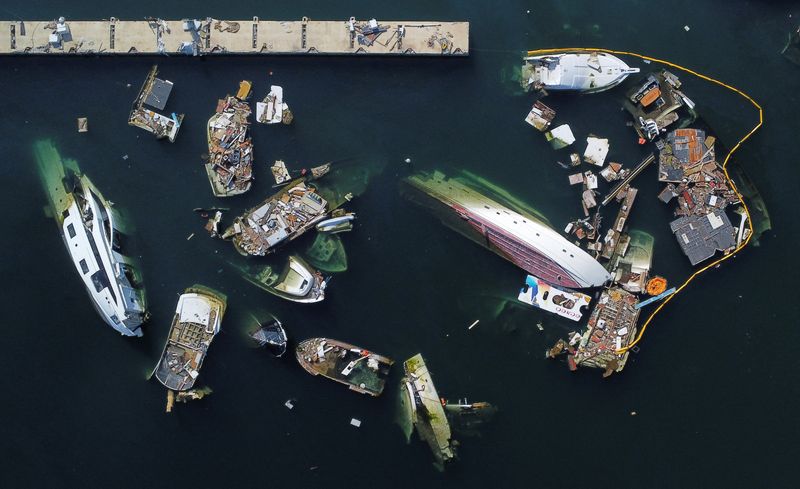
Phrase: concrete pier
[220,37]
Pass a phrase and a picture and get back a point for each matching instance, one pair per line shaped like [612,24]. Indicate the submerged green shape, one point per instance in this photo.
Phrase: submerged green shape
[327,253]
[346,179]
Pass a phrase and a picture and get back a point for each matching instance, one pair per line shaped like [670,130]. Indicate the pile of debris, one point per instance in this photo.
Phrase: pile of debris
[153,96]
[230,149]
[654,104]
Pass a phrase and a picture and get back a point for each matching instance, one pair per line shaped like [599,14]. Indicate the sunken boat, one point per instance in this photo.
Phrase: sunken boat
[519,237]
[327,253]
[197,320]
[297,282]
[92,231]
[587,72]
[361,370]
[272,336]
[424,407]
[278,220]
[230,148]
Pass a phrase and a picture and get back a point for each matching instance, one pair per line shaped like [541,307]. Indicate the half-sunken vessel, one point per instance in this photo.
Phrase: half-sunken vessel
[583,71]
[298,282]
[521,239]
[197,320]
[422,404]
[278,220]
[361,370]
[92,232]
[230,148]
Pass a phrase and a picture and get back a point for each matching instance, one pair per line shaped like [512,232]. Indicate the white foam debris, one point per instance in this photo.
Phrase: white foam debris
[355,422]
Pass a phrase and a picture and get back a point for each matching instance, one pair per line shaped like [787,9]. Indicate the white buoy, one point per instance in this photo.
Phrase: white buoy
[408,160]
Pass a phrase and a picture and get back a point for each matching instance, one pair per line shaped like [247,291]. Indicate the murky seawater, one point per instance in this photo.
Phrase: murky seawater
[712,385]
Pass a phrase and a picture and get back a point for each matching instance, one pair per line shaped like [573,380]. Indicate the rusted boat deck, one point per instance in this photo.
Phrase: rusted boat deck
[220,37]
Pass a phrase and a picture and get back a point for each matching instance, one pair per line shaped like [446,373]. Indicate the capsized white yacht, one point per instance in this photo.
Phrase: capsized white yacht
[581,71]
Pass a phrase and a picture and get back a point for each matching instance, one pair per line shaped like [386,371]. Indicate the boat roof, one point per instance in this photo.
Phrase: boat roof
[193,308]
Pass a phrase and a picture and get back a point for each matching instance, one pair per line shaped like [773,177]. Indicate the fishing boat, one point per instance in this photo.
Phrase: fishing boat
[359,369]
[197,320]
[297,282]
[92,232]
[282,218]
[272,336]
[587,72]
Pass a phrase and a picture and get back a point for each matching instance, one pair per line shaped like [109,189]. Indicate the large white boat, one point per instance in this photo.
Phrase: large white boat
[522,239]
[91,231]
[581,71]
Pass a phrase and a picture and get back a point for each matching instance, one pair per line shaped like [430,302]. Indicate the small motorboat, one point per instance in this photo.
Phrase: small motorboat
[338,224]
[272,336]
[298,282]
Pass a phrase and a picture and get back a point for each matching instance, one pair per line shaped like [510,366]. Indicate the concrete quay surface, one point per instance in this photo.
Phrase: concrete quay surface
[220,37]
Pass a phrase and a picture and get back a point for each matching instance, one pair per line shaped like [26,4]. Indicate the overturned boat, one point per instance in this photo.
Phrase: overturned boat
[272,336]
[230,148]
[92,232]
[197,321]
[359,369]
[297,282]
[422,404]
[521,238]
[588,72]
[278,220]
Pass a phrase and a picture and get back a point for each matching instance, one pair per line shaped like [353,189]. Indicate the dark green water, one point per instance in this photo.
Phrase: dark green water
[714,385]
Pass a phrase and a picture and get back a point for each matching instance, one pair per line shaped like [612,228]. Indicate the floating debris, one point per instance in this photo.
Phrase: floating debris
[474,323]
[212,226]
[560,137]
[596,151]
[565,303]
[197,321]
[588,72]
[280,173]
[186,396]
[361,370]
[700,237]
[230,162]
[93,232]
[632,268]
[575,159]
[83,124]
[355,422]
[540,116]
[297,282]
[611,327]
[154,94]
[654,104]
[612,242]
[273,110]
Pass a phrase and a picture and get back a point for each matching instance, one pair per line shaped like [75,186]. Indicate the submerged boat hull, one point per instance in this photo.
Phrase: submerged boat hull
[361,370]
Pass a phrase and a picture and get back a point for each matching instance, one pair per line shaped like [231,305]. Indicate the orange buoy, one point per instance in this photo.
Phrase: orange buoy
[656,285]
